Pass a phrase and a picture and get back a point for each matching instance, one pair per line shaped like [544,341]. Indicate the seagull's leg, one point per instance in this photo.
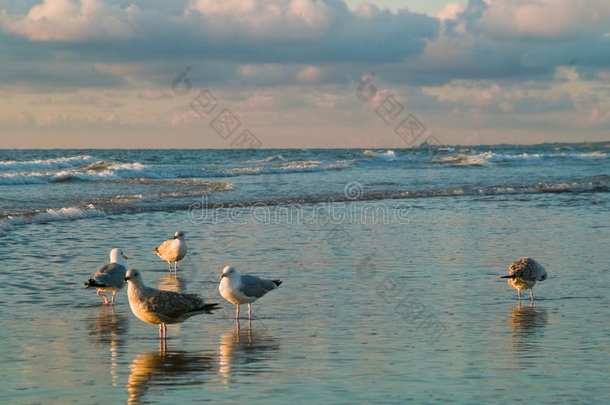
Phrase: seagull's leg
[164,331]
[519,294]
[237,312]
[176,267]
[237,323]
[249,312]
[103,295]
[112,301]
[169,264]
[532,295]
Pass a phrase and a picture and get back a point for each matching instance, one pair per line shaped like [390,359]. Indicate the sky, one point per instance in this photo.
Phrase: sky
[302,73]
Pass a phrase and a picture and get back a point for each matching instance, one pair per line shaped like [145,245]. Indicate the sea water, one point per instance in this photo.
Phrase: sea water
[390,261]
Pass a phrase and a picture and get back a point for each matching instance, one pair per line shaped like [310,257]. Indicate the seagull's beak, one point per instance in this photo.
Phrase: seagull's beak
[127,278]
[125,257]
[223,275]
[175,237]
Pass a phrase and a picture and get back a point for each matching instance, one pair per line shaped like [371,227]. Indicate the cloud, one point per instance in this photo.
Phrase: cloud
[450,11]
[150,94]
[545,19]
[268,20]
[299,62]
[515,40]
[240,30]
[485,39]
[64,20]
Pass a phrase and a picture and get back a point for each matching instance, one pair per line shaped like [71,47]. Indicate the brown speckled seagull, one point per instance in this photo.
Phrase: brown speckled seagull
[523,275]
[161,307]
[172,250]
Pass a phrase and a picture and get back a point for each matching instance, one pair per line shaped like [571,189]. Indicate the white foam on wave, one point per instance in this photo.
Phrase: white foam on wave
[289,167]
[388,155]
[300,164]
[245,170]
[272,158]
[491,158]
[295,166]
[537,188]
[598,154]
[126,198]
[23,178]
[115,171]
[481,159]
[67,214]
[49,164]
[340,164]
[9,223]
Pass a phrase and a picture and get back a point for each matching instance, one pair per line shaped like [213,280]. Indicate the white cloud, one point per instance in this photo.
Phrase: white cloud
[65,20]
[298,63]
[544,18]
[367,10]
[294,19]
[310,74]
[450,11]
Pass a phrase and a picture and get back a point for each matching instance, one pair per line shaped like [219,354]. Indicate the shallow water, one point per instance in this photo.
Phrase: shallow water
[412,309]
[396,312]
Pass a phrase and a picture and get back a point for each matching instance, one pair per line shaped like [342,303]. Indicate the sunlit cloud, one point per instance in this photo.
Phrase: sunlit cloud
[74,66]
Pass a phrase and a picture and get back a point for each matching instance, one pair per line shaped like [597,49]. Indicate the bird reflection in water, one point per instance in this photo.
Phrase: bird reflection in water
[528,323]
[244,346]
[172,283]
[165,369]
[109,327]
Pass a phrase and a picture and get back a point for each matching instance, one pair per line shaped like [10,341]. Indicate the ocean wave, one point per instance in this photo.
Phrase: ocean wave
[166,199]
[600,185]
[297,166]
[491,158]
[100,166]
[98,172]
[594,155]
[180,199]
[480,159]
[67,214]
[49,164]
[126,198]
[388,155]
[272,158]
[9,223]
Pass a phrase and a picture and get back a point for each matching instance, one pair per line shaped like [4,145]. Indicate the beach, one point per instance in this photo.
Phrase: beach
[390,261]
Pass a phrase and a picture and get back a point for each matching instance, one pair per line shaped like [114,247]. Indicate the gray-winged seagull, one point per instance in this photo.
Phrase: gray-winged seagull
[239,289]
[110,277]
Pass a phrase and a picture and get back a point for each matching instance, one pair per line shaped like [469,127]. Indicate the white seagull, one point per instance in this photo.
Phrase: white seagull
[110,277]
[523,275]
[161,307]
[172,250]
[239,289]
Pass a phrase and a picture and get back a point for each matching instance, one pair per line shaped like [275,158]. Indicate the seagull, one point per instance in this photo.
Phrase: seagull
[523,275]
[111,277]
[161,307]
[172,250]
[239,289]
